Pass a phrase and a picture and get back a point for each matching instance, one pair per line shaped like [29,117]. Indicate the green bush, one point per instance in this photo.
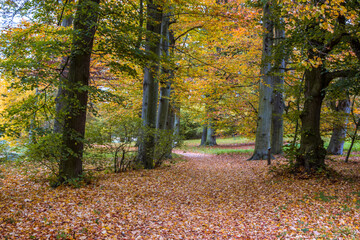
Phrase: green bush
[166,140]
[46,151]
[188,128]
[111,141]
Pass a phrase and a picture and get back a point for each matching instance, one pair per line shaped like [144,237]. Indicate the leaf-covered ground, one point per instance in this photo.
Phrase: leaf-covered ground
[205,197]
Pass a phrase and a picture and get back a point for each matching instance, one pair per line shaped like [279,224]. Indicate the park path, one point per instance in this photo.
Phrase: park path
[191,154]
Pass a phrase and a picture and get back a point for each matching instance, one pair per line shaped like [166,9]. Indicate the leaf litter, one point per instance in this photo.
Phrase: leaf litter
[205,197]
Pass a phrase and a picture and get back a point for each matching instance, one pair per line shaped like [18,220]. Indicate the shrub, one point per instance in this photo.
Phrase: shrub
[111,142]
[46,151]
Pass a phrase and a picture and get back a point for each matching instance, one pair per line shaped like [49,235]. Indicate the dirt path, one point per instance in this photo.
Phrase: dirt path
[191,154]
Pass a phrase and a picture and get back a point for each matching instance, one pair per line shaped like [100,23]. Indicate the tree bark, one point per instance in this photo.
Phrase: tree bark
[336,145]
[204,136]
[277,125]
[170,128]
[262,141]
[150,85]
[177,120]
[166,78]
[210,136]
[75,91]
[353,138]
[312,153]
[59,100]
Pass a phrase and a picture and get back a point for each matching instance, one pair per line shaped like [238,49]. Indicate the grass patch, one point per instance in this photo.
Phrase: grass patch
[193,145]
[214,150]
[220,141]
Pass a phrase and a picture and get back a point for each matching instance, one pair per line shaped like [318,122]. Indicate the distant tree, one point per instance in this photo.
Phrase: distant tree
[337,140]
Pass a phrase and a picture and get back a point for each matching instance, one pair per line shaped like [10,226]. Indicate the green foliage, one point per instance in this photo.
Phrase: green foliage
[189,128]
[4,150]
[291,152]
[220,141]
[46,151]
[111,141]
[165,142]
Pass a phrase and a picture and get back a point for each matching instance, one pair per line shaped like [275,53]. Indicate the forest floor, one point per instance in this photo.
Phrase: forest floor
[204,197]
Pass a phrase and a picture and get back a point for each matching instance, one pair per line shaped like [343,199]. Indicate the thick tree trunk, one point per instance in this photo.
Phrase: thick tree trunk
[204,136]
[277,125]
[210,136]
[76,94]
[337,140]
[150,86]
[262,141]
[312,153]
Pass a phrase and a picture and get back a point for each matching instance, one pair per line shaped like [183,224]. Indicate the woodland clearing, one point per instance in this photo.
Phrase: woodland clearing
[204,197]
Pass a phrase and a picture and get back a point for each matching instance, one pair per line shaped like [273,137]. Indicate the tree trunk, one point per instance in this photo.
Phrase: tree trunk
[166,78]
[170,128]
[59,100]
[141,23]
[76,93]
[312,153]
[262,141]
[32,127]
[204,136]
[177,121]
[337,140]
[210,136]
[353,138]
[277,125]
[150,85]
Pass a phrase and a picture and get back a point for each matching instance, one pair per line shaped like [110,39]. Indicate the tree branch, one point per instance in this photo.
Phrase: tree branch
[355,45]
[329,76]
[187,31]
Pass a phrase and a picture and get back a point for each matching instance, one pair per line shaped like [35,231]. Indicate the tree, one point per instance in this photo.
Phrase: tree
[262,142]
[167,73]
[277,123]
[150,85]
[204,135]
[320,38]
[337,140]
[210,136]
[59,100]
[76,89]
